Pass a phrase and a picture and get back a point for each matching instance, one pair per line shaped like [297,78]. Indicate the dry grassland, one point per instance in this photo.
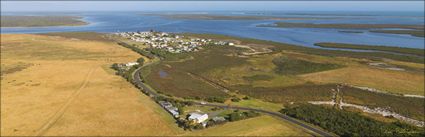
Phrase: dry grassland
[258,126]
[70,90]
[387,80]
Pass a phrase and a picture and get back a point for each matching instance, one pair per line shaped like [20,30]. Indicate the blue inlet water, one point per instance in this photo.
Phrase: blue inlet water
[134,21]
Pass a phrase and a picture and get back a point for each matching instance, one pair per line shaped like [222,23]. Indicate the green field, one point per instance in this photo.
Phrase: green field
[179,83]
[402,50]
[40,21]
[288,75]
[185,78]
[286,95]
[291,66]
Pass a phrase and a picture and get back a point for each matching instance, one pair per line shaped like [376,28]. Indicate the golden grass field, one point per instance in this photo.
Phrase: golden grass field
[258,126]
[387,80]
[59,86]
[70,90]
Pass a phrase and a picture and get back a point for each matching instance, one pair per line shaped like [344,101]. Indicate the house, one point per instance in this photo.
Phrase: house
[170,108]
[198,117]
[129,64]
[174,112]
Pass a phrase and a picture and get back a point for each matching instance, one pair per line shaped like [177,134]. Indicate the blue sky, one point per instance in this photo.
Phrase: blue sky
[212,6]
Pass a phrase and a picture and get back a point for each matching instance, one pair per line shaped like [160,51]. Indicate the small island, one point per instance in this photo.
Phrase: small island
[413,30]
[41,21]
[225,17]
[343,26]
[401,50]
[416,33]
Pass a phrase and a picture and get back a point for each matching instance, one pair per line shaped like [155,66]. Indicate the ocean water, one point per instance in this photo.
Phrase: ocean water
[136,21]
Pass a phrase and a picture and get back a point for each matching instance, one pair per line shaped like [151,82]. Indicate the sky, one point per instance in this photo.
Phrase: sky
[26,6]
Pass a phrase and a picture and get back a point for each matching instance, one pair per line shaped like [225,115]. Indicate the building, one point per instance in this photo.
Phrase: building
[129,64]
[198,117]
[170,108]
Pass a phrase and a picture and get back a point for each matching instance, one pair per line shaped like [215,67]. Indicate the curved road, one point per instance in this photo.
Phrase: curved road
[138,82]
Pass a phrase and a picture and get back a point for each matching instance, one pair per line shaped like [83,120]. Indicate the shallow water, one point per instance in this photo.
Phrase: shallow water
[162,74]
[134,21]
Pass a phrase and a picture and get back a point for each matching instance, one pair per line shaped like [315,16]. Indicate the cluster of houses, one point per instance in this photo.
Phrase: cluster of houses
[126,66]
[170,108]
[195,117]
[171,42]
[202,118]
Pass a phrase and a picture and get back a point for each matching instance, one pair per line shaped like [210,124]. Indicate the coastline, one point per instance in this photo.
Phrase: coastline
[68,21]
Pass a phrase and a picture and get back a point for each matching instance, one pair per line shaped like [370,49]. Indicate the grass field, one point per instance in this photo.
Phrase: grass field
[259,104]
[412,51]
[186,78]
[40,21]
[311,74]
[258,126]
[70,90]
[179,83]
[387,80]
[64,86]
[292,66]
[287,95]
[259,72]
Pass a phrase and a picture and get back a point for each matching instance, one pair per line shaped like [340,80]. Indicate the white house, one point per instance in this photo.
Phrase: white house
[129,64]
[198,117]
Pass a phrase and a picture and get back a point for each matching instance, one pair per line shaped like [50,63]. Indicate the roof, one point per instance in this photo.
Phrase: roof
[198,116]
[195,115]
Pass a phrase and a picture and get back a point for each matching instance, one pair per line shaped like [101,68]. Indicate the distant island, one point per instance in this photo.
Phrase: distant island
[343,26]
[413,30]
[226,17]
[41,21]
[416,33]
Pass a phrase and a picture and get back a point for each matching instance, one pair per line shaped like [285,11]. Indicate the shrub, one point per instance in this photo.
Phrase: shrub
[235,99]
[216,99]
[291,66]
[346,123]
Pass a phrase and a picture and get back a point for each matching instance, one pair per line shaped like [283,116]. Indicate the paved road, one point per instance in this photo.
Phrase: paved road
[137,81]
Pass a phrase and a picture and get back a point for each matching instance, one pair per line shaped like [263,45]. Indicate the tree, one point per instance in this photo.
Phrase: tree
[141,61]
[235,99]
[235,116]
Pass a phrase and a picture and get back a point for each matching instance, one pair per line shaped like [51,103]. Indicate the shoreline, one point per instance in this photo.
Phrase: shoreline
[37,21]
